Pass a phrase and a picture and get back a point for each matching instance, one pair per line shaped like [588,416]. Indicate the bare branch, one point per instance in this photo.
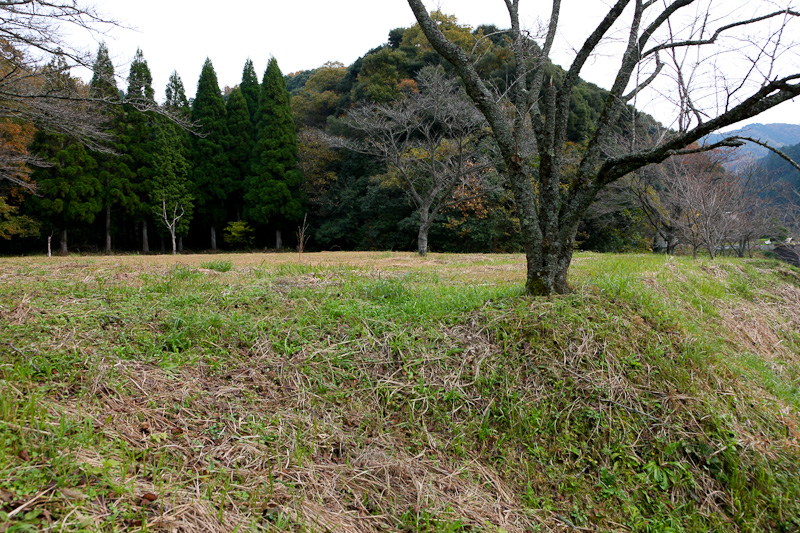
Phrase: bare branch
[550,196]
[646,83]
[781,154]
[718,32]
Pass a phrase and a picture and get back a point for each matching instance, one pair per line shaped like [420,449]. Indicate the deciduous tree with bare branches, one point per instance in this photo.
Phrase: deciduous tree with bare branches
[430,141]
[35,58]
[32,42]
[172,219]
[664,41]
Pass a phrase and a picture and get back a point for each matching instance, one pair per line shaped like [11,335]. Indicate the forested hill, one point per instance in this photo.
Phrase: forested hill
[263,164]
[354,211]
[779,169]
[384,73]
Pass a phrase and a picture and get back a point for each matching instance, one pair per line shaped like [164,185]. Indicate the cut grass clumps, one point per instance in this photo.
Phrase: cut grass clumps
[384,392]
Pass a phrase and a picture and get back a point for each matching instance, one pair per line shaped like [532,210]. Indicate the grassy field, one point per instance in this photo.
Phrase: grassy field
[384,392]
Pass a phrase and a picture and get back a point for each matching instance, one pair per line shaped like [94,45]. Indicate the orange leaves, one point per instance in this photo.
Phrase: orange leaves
[407,86]
[15,138]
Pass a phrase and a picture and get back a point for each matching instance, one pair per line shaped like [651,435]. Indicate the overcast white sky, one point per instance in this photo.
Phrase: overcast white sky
[304,34]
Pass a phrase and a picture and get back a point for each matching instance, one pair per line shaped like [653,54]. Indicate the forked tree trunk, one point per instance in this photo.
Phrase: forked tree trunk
[548,236]
[547,264]
[544,279]
[742,248]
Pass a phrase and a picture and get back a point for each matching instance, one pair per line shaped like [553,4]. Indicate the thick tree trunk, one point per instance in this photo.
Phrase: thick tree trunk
[422,236]
[174,245]
[108,229]
[63,246]
[145,241]
[278,242]
[548,239]
[672,243]
[422,241]
[213,238]
[548,265]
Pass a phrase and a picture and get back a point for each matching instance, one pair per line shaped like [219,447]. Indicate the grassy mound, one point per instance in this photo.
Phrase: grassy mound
[382,392]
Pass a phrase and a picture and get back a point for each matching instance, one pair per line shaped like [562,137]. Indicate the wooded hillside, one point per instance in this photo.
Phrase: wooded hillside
[258,162]
[261,158]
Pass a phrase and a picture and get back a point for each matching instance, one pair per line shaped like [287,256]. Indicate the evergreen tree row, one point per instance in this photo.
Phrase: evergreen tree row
[236,164]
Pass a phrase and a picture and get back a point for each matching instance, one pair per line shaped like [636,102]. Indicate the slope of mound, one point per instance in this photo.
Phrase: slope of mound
[387,393]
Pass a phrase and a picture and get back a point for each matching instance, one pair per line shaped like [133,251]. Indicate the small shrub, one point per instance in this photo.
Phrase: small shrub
[239,234]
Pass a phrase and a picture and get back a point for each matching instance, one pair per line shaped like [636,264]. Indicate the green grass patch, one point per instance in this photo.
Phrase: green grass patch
[220,265]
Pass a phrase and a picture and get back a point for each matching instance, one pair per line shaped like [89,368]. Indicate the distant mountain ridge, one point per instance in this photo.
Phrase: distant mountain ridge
[779,170]
[777,135]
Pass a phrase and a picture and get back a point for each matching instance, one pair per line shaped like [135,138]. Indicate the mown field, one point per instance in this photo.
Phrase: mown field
[384,392]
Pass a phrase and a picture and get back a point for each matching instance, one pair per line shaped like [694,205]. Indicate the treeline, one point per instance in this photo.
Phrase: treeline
[181,170]
[243,167]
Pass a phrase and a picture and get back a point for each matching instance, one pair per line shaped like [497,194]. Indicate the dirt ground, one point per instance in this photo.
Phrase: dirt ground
[501,267]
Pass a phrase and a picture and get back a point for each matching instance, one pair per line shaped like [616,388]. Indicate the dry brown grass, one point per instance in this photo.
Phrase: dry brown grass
[351,473]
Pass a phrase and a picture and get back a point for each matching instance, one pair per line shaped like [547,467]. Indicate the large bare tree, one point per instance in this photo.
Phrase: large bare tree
[742,53]
[431,142]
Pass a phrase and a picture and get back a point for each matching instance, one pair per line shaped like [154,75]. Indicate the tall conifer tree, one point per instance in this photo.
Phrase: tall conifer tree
[103,84]
[171,191]
[112,170]
[68,191]
[140,81]
[241,148]
[251,89]
[176,104]
[176,95]
[211,174]
[171,202]
[273,193]
[139,137]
